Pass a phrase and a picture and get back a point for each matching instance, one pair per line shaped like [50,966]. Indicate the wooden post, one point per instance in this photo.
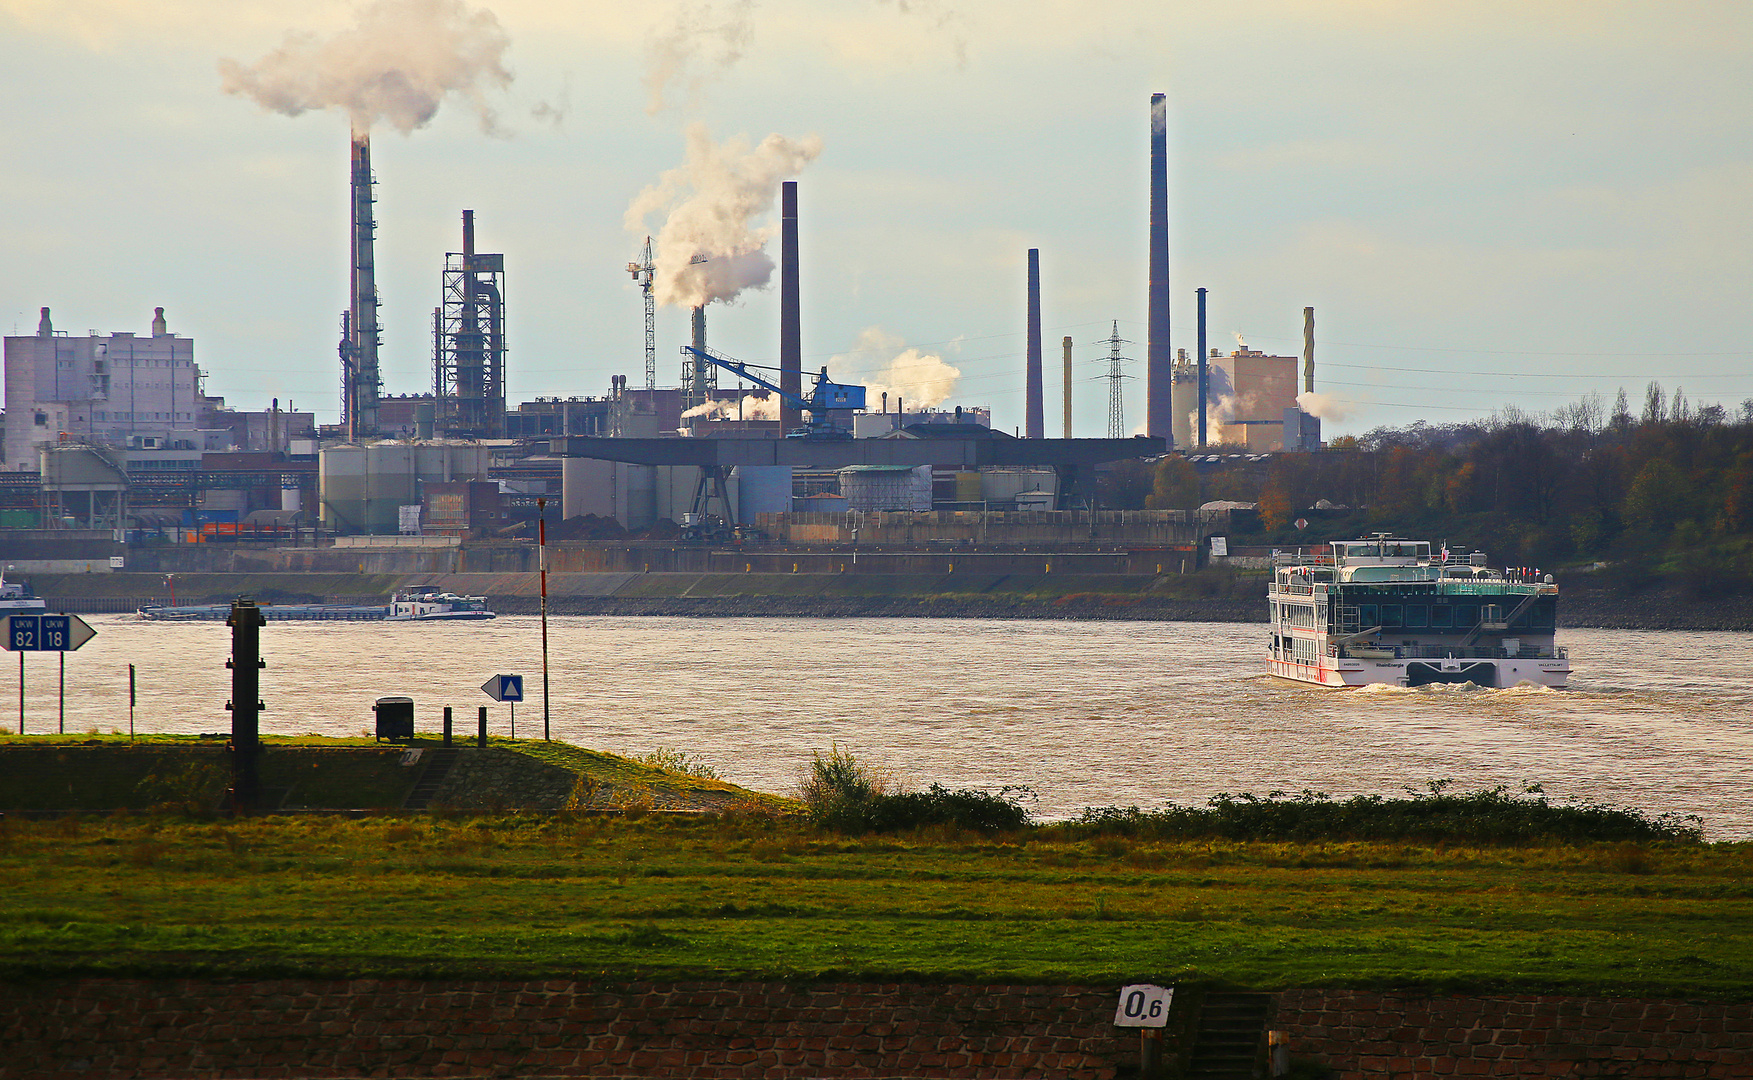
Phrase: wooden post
[1150,1053]
[447,725]
[130,702]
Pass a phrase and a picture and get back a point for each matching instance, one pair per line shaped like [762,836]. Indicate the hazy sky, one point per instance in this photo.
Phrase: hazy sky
[1486,202]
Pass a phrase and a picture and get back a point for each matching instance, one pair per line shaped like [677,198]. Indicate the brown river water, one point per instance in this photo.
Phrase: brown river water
[1084,713]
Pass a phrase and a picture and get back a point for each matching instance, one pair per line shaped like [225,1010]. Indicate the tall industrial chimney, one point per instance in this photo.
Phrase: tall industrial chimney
[1034,416]
[360,379]
[790,310]
[695,391]
[1308,350]
[1204,375]
[1159,370]
[1067,345]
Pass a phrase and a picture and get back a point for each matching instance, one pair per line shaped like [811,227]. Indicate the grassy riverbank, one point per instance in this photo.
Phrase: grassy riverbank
[749,894]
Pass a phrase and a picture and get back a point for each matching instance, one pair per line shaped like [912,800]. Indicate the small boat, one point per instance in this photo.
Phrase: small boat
[429,604]
[17,599]
[1388,611]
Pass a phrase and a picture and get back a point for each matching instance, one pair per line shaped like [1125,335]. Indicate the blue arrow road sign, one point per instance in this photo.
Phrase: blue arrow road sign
[504,687]
[46,633]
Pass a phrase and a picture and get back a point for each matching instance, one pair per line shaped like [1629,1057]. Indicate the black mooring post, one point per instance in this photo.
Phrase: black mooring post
[447,725]
[246,702]
[481,732]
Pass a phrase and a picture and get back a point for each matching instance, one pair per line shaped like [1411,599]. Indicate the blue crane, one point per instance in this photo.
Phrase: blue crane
[825,398]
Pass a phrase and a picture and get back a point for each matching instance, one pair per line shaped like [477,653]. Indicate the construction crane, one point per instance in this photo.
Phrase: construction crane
[642,272]
[826,397]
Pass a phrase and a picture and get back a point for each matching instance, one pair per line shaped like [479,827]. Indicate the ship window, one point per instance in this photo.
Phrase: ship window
[1466,616]
[1392,615]
[1417,615]
[1544,616]
[1441,615]
[1366,615]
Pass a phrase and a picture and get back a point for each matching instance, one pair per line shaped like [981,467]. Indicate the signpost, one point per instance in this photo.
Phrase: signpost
[506,688]
[45,633]
[1146,1006]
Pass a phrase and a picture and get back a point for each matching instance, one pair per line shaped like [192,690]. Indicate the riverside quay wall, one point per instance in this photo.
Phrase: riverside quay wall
[106,1029]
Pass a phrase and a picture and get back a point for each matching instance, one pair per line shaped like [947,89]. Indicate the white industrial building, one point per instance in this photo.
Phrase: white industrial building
[124,390]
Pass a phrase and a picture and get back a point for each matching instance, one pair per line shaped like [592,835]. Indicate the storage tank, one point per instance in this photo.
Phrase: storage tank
[1184,402]
[763,489]
[363,487]
[886,487]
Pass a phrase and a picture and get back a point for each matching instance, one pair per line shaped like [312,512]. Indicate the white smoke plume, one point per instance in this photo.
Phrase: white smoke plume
[765,407]
[1325,406]
[396,64]
[884,363]
[700,45]
[707,248]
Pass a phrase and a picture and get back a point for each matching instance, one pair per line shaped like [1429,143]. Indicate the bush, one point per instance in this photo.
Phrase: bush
[1489,816]
[850,796]
[678,762]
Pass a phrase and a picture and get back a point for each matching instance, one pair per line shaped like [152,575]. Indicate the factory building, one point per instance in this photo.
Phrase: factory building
[122,389]
[1248,395]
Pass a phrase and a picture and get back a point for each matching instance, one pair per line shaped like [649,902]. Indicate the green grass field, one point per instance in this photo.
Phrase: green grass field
[761,896]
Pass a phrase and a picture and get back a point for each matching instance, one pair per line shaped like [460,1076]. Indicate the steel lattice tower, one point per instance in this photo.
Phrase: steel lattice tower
[642,272]
[1116,375]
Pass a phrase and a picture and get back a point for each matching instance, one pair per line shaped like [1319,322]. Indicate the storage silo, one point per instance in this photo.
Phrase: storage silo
[762,489]
[1184,402]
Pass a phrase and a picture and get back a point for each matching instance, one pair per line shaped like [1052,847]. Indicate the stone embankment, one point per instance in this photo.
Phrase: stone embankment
[108,1029]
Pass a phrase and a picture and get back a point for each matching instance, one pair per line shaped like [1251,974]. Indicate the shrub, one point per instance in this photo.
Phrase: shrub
[1490,816]
[669,759]
[850,796]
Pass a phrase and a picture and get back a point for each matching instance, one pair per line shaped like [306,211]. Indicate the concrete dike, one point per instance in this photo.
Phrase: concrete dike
[97,775]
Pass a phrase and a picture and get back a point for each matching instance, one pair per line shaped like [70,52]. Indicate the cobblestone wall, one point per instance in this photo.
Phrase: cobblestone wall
[110,1029]
[496,779]
[1402,1037]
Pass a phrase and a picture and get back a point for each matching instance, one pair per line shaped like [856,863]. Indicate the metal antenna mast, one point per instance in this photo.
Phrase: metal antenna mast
[1116,373]
[642,272]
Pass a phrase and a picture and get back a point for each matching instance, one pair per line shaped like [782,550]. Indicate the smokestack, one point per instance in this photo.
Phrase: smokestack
[158,326]
[697,388]
[45,327]
[1204,381]
[1308,350]
[362,380]
[1034,420]
[790,309]
[1159,406]
[1068,388]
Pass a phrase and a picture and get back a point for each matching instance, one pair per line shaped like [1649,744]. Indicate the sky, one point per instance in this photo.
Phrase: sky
[1487,203]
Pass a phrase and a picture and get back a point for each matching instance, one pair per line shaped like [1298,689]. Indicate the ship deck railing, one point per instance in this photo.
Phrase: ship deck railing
[1446,652]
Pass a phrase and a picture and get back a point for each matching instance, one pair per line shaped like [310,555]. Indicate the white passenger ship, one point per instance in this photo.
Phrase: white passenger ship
[1384,610]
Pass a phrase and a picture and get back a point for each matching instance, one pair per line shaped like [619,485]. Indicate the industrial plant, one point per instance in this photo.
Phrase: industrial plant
[111,440]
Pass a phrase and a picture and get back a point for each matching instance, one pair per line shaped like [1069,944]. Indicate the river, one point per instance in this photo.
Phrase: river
[1084,713]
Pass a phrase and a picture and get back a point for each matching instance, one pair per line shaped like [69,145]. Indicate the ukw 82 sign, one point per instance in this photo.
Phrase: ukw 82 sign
[46,633]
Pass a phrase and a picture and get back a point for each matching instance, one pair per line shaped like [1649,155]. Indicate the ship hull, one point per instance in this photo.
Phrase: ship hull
[1349,674]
